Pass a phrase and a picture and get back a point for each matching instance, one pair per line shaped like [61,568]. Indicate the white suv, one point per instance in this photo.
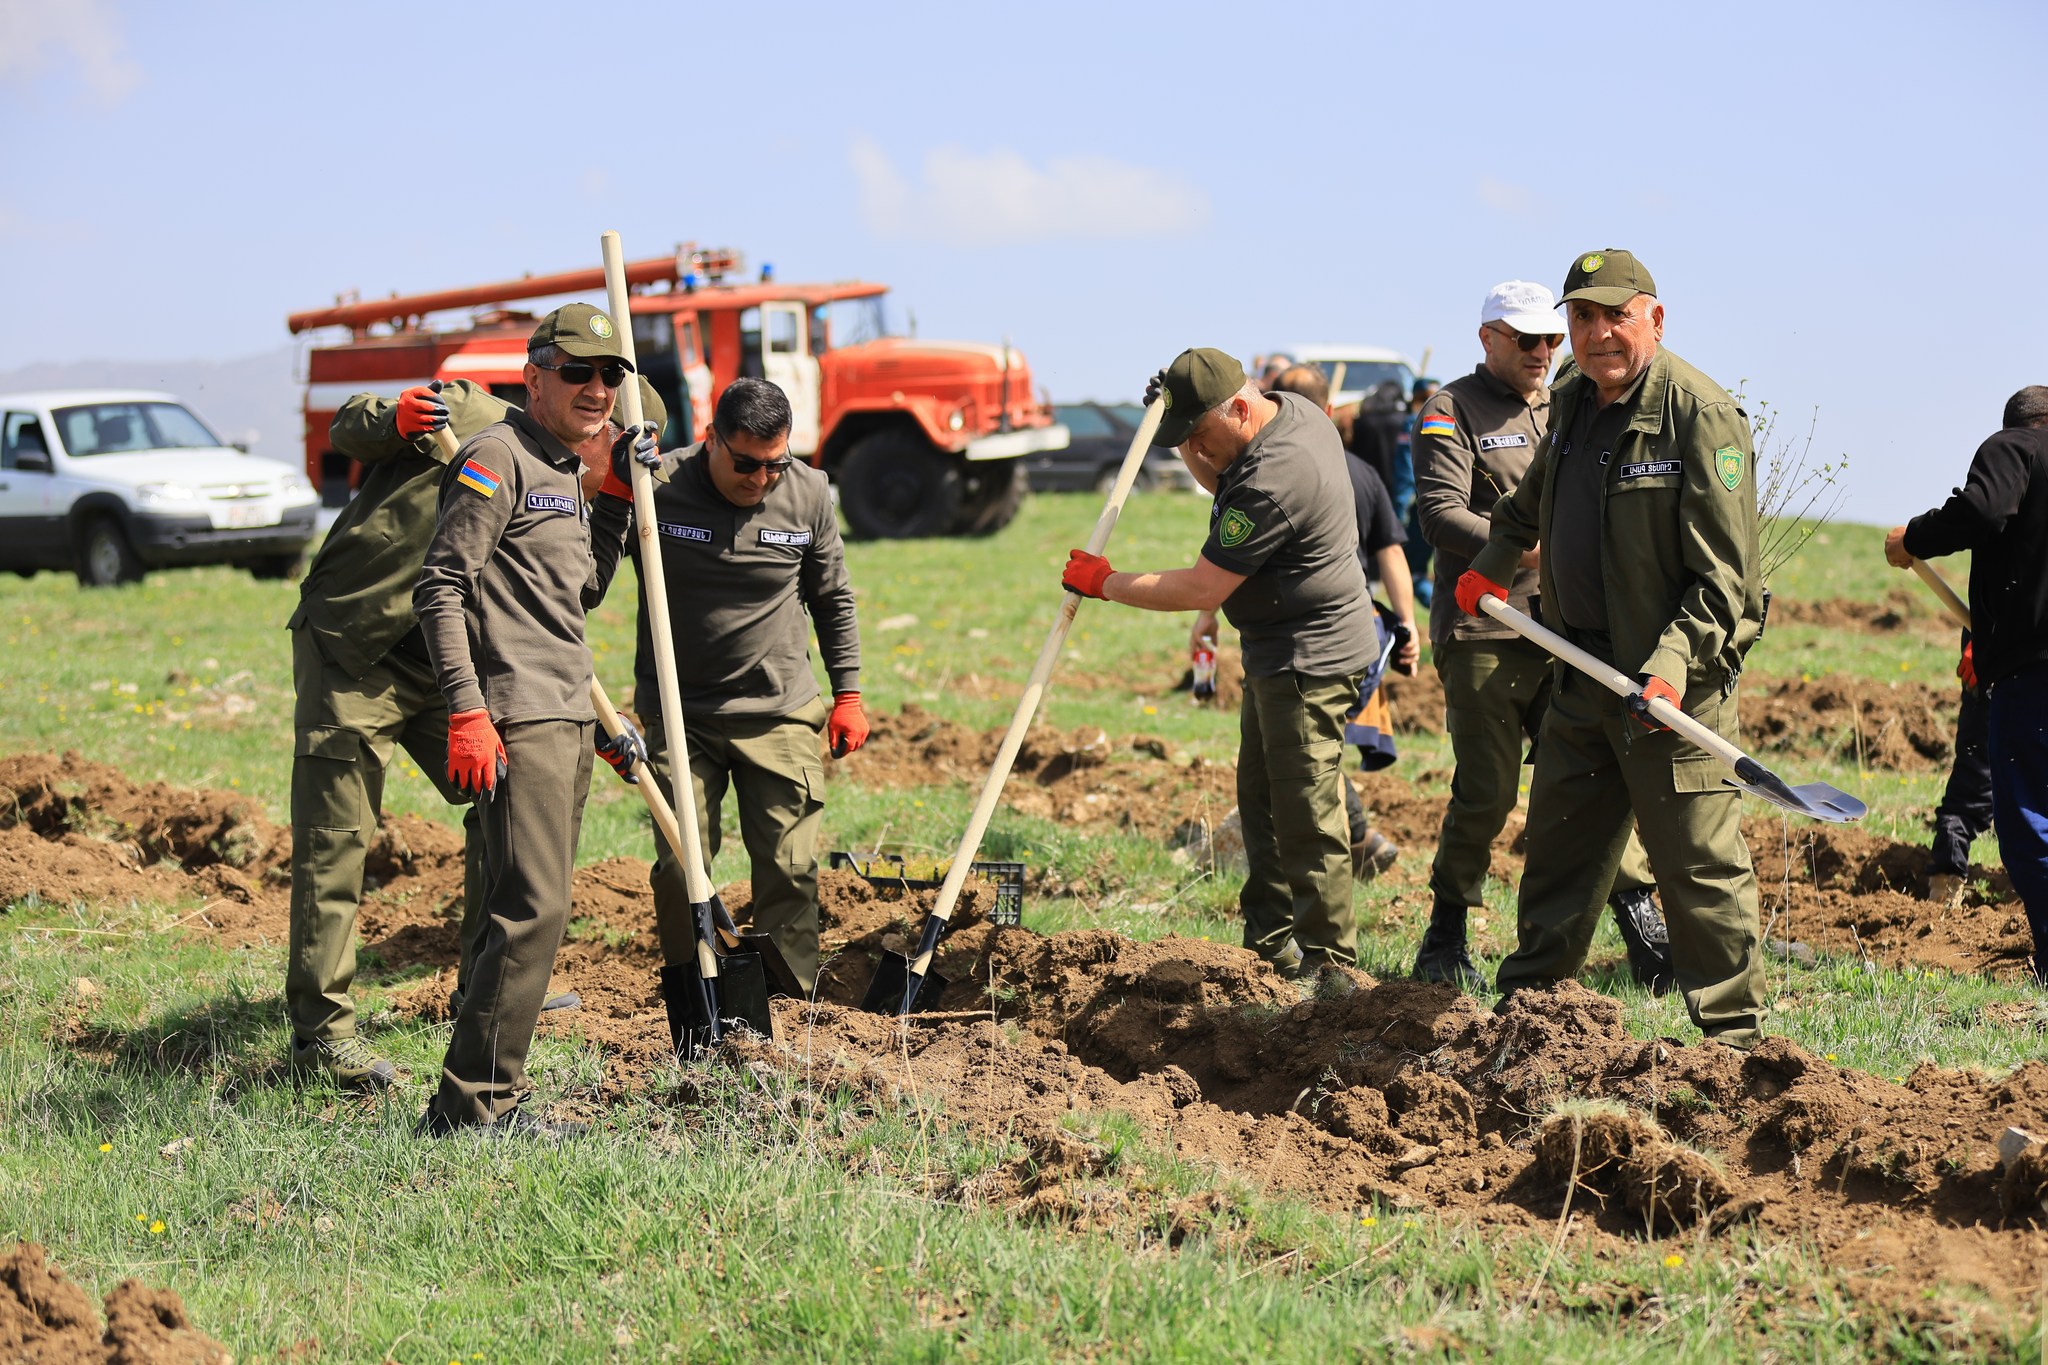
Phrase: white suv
[110,482]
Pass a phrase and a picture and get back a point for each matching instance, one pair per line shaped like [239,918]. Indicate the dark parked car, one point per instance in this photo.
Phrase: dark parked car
[1101,435]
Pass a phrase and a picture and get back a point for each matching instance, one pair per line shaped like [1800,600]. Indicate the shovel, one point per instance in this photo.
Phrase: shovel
[1815,799]
[776,967]
[711,991]
[899,980]
[1957,607]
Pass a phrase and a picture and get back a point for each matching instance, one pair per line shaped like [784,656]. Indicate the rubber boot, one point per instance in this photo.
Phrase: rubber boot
[1648,941]
[1443,957]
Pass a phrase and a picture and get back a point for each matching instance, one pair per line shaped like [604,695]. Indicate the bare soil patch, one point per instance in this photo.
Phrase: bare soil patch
[46,1319]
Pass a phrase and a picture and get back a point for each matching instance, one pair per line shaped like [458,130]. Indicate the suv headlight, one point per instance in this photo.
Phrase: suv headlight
[165,494]
[295,484]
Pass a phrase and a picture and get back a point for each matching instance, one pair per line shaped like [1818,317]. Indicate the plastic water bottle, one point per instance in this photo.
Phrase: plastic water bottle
[1205,670]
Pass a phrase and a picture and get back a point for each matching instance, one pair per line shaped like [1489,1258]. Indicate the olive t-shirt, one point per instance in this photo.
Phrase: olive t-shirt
[1284,518]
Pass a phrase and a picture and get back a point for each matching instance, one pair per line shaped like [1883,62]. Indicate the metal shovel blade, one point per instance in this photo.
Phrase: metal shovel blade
[781,977]
[1818,800]
[893,985]
[743,994]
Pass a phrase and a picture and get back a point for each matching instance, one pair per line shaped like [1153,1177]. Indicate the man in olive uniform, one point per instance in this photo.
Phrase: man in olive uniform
[1643,499]
[501,599]
[364,686]
[1282,562]
[1474,439]
[750,548]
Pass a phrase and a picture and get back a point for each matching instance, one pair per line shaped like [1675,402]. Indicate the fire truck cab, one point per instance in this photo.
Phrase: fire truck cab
[922,437]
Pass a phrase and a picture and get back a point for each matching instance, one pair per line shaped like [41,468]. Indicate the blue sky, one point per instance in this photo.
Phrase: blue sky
[1842,204]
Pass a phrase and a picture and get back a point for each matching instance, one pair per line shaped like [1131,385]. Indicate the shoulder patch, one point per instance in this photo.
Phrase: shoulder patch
[1235,530]
[1437,424]
[1728,464]
[475,475]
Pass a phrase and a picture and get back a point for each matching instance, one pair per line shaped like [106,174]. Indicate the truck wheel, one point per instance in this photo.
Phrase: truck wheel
[993,503]
[894,487]
[275,567]
[105,558]
[1106,479]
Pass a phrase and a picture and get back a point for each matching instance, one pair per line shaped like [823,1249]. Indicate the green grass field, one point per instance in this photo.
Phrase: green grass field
[302,1224]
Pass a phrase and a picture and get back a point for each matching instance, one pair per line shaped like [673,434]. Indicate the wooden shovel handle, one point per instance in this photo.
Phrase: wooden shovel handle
[1957,607]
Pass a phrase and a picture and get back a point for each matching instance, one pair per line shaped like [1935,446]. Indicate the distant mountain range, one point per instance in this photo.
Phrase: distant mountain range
[255,399]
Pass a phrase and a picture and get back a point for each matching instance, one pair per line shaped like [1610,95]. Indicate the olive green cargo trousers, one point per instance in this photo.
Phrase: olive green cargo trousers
[1495,694]
[346,729]
[774,764]
[530,827]
[1297,837]
[1595,768]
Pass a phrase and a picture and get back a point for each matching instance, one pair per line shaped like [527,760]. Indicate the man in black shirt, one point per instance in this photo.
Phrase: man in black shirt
[2000,515]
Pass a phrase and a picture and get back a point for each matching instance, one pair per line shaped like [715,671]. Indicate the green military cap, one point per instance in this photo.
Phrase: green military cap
[581,331]
[1609,278]
[1196,381]
[652,409]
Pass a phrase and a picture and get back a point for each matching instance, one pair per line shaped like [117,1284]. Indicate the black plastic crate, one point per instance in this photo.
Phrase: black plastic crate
[890,869]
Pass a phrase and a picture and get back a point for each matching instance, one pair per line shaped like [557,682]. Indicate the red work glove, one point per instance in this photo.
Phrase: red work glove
[847,729]
[1085,574]
[476,756]
[1654,688]
[1473,585]
[1966,667]
[421,411]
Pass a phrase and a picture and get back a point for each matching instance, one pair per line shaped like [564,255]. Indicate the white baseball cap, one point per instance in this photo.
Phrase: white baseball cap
[1524,306]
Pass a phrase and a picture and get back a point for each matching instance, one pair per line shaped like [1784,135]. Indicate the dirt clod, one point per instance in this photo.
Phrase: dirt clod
[46,1319]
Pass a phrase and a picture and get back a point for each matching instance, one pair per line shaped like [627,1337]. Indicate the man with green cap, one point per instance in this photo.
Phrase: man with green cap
[1644,501]
[1474,440]
[501,597]
[363,688]
[1282,562]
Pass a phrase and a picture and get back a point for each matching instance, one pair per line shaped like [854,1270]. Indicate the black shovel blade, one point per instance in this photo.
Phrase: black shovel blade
[1817,800]
[743,994]
[692,1011]
[781,978]
[893,985]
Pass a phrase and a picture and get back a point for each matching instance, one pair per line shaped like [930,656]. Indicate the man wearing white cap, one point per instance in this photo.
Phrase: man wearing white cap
[1473,442]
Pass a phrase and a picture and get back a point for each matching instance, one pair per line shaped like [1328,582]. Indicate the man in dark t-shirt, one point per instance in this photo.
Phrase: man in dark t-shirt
[1281,560]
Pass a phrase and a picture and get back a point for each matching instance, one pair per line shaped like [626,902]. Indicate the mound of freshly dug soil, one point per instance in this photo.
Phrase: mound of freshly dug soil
[1901,609]
[46,1319]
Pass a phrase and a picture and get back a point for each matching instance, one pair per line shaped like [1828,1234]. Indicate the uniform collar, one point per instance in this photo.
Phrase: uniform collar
[551,448]
[1647,397]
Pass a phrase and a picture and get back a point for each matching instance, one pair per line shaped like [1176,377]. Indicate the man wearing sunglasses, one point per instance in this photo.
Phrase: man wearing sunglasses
[1644,501]
[753,563]
[364,688]
[501,597]
[1474,439]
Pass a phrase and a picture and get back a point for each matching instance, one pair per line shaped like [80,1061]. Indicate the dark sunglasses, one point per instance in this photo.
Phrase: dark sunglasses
[1529,341]
[579,372]
[741,464]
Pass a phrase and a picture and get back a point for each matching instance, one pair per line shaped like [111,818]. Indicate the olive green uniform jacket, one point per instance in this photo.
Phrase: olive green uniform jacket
[1678,519]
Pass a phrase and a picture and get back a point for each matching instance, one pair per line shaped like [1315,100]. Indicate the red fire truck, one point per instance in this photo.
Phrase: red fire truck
[922,437]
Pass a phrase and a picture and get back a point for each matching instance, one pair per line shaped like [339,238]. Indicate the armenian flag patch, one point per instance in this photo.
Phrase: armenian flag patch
[475,476]
[1437,424]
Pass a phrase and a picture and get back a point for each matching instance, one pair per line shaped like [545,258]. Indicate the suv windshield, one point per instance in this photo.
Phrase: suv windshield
[1362,376]
[118,428]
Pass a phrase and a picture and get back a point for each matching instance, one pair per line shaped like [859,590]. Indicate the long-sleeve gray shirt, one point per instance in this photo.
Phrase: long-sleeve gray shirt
[508,576]
[740,581]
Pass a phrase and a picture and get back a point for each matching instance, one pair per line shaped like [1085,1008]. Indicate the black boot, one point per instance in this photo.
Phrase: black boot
[1443,957]
[1649,942]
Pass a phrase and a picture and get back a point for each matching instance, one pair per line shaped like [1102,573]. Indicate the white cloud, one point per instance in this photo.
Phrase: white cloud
[998,197]
[38,34]
[1504,197]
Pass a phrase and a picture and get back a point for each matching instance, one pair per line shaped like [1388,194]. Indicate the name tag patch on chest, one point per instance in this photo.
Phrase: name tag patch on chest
[771,537]
[682,532]
[1502,442]
[551,502]
[1650,469]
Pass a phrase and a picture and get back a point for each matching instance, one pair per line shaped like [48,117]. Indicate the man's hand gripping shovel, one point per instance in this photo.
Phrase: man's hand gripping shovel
[900,980]
[1815,799]
[716,990]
